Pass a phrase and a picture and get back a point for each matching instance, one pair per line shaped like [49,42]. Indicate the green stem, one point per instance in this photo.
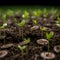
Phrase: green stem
[22,32]
[22,53]
[48,46]
[4,38]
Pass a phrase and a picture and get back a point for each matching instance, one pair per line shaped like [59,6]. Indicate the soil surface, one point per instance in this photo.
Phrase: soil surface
[13,35]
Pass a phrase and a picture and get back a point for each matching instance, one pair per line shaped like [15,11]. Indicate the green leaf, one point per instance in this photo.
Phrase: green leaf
[25,15]
[49,35]
[21,47]
[34,21]
[4,25]
[22,23]
[4,17]
[27,40]
[9,13]
[42,28]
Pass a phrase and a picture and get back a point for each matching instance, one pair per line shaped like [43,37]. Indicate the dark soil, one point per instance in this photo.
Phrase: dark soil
[13,36]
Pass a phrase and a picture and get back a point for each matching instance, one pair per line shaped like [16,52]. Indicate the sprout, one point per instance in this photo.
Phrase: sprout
[21,24]
[49,36]
[22,48]
[58,22]
[42,29]
[4,17]
[9,13]
[4,25]
[45,12]
[25,15]
[27,40]
[15,20]
[37,13]
[34,22]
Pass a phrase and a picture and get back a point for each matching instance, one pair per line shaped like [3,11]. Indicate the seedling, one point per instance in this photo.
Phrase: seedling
[22,48]
[21,24]
[9,13]
[15,20]
[2,27]
[34,22]
[25,15]
[37,13]
[58,22]
[3,17]
[45,12]
[48,37]
[42,29]
[27,40]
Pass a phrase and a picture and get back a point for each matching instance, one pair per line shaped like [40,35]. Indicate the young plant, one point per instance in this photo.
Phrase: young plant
[34,22]
[48,37]
[2,27]
[37,13]
[42,30]
[58,22]
[25,15]
[9,13]
[3,17]
[21,24]
[27,40]
[45,12]
[22,48]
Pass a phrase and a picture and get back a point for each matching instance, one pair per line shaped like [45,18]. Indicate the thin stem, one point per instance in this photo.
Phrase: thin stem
[48,46]
[4,38]
[22,53]
[22,32]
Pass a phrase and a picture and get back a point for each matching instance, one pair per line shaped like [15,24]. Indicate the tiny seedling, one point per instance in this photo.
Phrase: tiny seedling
[3,17]
[2,27]
[48,37]
[58,22]
[45,12]
[37,13]
[21,24]
[42,29]
[9,13]
[27,40]
[34,22]
[22,48]
[25,15]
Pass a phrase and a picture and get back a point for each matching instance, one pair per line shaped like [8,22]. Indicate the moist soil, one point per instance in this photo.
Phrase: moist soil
[13,38]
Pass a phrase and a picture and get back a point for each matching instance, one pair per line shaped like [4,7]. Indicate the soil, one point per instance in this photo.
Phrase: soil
[13,36]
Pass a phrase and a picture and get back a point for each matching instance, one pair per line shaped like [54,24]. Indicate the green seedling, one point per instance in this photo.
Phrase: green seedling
[42,30]
[2,27]
[3,17]
[15,20]
[25,15]
[21,24]
[58,22]
[37,13]
[22,48]
[34,22]
[48,37]
[9,13]
[27,40]
[45,12]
